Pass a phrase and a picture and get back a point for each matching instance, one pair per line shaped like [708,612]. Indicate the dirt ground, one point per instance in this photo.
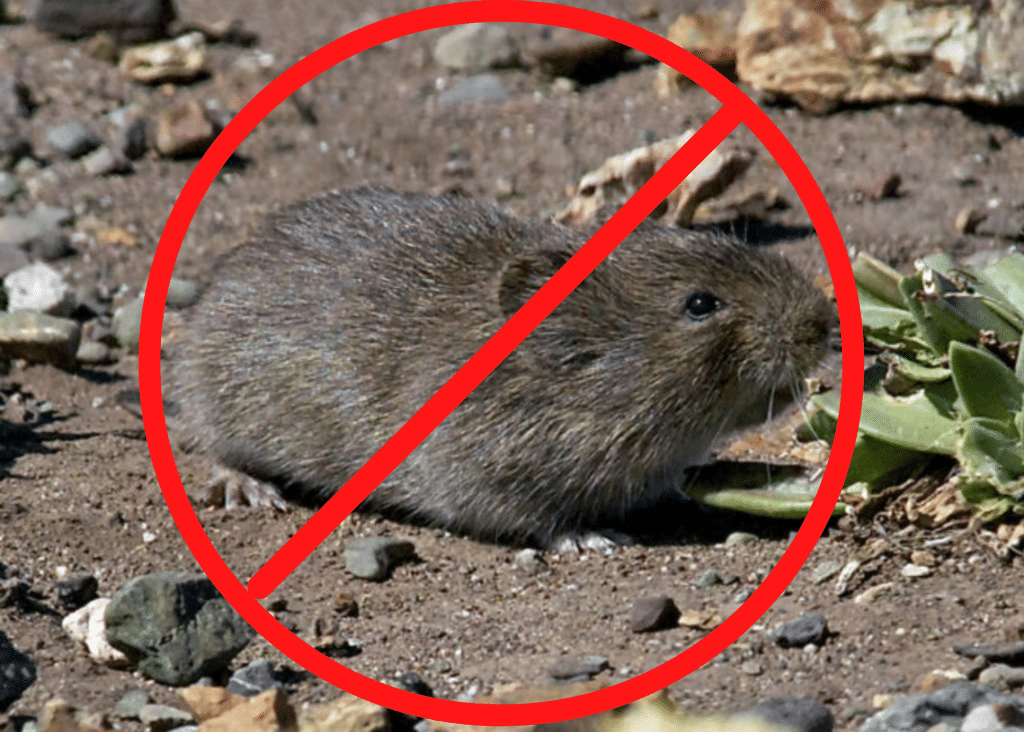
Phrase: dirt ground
[78,492]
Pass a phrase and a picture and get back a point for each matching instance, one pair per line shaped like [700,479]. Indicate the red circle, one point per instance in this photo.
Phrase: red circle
[152,321]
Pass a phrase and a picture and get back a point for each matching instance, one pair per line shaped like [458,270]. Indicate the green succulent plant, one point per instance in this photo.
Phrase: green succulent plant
[948,380]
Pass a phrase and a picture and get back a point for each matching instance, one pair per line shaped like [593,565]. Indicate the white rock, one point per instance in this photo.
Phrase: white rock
[87,627]
[38,287]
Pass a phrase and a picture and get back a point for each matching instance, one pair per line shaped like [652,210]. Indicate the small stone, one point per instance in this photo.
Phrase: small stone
[161,717]
[412,682]
[132,138]
[104,161]
[793,713]
[873,593]
[582,57]
[345,714]
[129,705]
[886,186]
[131,21]
[964,175]
[182,293]
[825,571]
[707,578]
[73,139]
[752,668]
[94,353]
[17,672]
[103,47]
[1009,653]
[578,668]
[179,61]
[529,561]
[127,324]
[808,628]
[77,590]
[1002,677]
[207,702]
[992,718]
[266,712]
[39,338]
[254,679]
[653,613]
[372,558]
[39,288]
[11,259]
[9,187]
[480,88]
[475,47]
[969,219]
[345,605]
[739,538]
[87,627]
[15,96]
[915,571]
[184,131]
[36,233]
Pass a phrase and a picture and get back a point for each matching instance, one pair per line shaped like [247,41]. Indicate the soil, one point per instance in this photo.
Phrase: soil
[78,492]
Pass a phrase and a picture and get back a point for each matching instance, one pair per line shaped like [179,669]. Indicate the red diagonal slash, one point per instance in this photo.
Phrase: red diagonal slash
[493,352]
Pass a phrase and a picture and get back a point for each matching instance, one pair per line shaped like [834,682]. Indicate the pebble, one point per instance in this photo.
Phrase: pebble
[793,713]
[178,61]
[915,571]
[885,186]
[413,683]
[11,258]
[159,717]
[75,591]
[808,628]
[127,324]
[530,561]
[1008,653]
[73,139]
[752,668]
[475,47]
[969,219]
[94,353]
[208,702]
[950,705]
[129,705]
[40,338]
[104,161]
[254,679]
[184,131]
[578,669]
[825,571]
[37,233]
[9,186]
[992,718]
[87,626]
[585,58]
[133,21]
[480,88]
[132,138]
[17,672]
[176,627]
[182,293]
[739,538]
[39,288]
[15,96]
[648,614]
[1002,677]
[372,558]
[14,149]
[707,578]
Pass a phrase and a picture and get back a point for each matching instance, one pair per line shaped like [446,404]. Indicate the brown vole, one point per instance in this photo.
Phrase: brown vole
[321,336]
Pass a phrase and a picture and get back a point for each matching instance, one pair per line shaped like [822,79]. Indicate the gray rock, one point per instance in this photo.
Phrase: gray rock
[9,186]
[15,98]
[1002,677]
[372,558]
[105,161]
[132,21]
[476,47]
[39,338]
[17,672]
[994,718]
[129,705]
[921,712]
[161,717]
[808,628]
[707,578]
[132,138]
[11,258]
[35,234]
[73,139]
[94,353]
[794,713]
[176,627]
[127,324]
[254,679]
[648,614]
[1010,653]
[584,668]
[182,293]
[563,52]
[530,561]
[40,288]
[480,88]
[413,683]
[739,538]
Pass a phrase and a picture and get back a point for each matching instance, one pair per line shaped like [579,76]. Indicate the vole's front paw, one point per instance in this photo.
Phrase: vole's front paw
[601,541]
[231,488]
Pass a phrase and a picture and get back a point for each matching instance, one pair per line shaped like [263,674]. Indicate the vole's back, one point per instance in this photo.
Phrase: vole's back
[323,335]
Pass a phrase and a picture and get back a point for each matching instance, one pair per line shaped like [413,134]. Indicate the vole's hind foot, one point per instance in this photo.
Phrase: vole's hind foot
[231,488]
[600,541]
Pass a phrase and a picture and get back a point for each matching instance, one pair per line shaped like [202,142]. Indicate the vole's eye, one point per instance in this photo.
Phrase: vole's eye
[701,305]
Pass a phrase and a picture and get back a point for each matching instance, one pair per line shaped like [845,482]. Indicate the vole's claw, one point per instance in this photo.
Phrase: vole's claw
[601,541]
[231,489]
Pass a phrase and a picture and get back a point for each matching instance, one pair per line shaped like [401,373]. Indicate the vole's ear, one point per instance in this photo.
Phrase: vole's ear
[576,333]
[524,275]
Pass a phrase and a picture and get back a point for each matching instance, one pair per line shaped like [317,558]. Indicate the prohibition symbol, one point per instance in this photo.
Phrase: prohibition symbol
[736,108]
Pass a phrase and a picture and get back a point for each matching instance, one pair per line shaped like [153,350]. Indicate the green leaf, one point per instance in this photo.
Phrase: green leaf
[877,278]
[987,387]
[991,450]
[1007,276]
[879,464]
[913,422]
[916,372]
[782,492]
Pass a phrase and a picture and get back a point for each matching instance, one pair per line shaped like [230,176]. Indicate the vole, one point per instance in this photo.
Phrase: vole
[318,338]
